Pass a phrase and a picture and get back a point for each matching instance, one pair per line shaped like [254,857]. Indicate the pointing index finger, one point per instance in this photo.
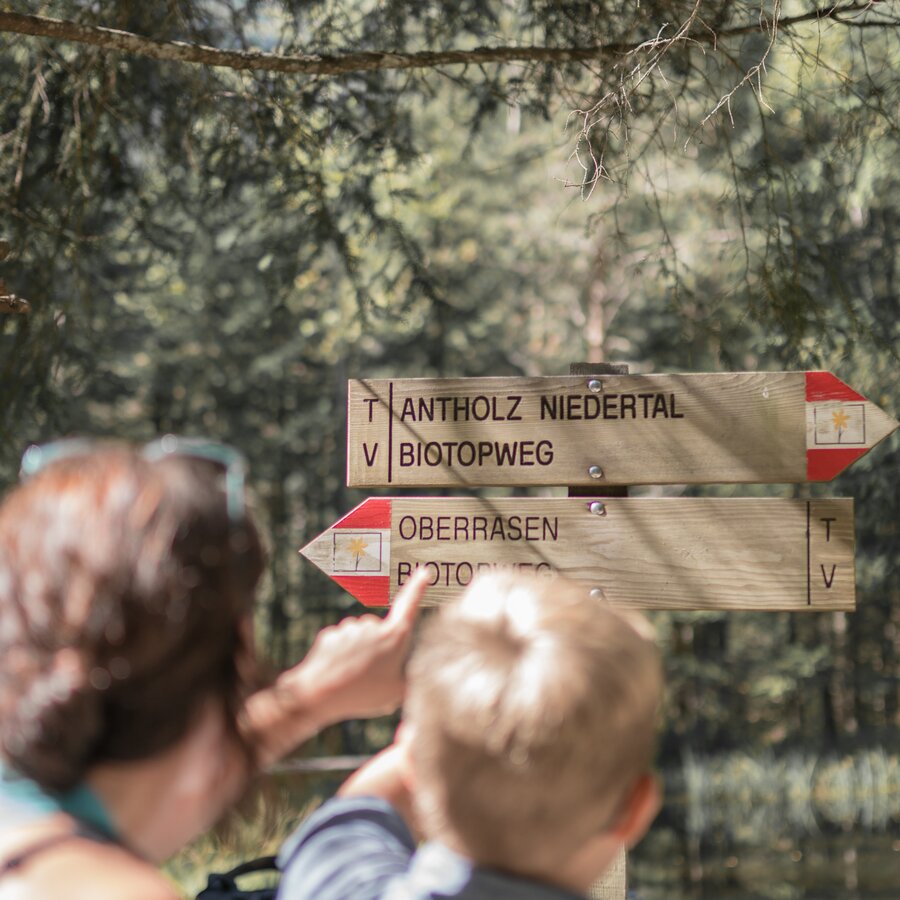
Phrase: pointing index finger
[405,607]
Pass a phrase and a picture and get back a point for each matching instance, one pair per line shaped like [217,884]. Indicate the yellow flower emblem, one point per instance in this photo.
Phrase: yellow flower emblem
[358,547]
[840,420]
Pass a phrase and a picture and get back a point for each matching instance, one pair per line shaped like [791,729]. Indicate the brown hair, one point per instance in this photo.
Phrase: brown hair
[124,594]
[533,710]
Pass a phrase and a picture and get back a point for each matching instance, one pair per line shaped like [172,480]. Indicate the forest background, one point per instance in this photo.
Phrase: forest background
[680,186]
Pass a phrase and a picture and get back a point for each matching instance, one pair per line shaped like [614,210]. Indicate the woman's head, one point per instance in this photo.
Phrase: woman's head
[125,590]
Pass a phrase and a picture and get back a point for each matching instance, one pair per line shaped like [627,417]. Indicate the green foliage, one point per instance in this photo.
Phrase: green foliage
[215,252]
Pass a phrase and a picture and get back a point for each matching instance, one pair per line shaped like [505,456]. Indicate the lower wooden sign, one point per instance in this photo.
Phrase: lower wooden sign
[673,553]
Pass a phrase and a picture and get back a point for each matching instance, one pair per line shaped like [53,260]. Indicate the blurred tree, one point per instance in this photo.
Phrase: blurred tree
[215,250]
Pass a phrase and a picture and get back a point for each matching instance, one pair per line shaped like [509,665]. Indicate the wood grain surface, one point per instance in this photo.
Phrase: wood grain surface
[673,553]
[632,429]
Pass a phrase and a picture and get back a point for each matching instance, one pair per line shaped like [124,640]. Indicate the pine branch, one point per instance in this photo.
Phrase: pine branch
[314,64]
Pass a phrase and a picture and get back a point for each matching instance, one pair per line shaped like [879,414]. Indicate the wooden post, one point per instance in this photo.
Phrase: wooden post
[614,884]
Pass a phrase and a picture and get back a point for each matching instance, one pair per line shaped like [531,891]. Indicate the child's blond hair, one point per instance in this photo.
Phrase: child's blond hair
[533,710]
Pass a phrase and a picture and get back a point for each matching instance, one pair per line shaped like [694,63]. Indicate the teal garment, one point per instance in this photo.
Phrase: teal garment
[81,803]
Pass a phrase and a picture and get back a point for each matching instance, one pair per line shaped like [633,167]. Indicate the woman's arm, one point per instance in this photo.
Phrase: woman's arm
[353,670]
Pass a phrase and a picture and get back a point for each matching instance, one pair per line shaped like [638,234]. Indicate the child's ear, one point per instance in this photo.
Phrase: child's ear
[640,810]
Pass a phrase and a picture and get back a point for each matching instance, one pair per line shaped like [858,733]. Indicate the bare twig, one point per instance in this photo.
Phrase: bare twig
[629,83]
[755,73]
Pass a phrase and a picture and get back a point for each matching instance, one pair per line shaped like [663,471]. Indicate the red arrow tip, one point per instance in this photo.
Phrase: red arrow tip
[823,465]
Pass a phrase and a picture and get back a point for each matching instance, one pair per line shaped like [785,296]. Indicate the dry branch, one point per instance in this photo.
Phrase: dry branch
[112,39]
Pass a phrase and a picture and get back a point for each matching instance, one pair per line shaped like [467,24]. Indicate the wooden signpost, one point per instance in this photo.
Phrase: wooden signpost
[593,432]
[762,427]
[678,553]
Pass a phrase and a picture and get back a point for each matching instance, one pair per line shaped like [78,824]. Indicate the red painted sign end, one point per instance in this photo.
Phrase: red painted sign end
[356,551]
[841,426]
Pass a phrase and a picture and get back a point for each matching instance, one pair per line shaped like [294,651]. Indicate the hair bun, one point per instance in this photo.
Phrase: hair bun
[56,723]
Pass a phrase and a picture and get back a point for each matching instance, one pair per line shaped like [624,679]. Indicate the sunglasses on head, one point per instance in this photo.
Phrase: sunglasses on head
[37,456]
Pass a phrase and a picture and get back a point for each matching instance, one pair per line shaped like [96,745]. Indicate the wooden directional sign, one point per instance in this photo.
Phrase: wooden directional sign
[699,553]
[765,427]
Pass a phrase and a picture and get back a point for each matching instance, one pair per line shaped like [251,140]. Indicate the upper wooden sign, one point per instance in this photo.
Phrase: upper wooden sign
[765,427]
[674,553]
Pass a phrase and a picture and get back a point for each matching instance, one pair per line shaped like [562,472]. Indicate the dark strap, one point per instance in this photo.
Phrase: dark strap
[253,865]
[18,859]
[224,886]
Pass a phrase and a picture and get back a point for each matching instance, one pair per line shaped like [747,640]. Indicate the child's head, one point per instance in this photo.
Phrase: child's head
[533,710]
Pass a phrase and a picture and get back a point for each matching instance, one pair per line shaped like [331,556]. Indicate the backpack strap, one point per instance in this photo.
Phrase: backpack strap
[224,886]
[253,865]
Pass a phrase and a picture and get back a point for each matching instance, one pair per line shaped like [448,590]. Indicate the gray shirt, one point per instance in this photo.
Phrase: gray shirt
[358,848]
